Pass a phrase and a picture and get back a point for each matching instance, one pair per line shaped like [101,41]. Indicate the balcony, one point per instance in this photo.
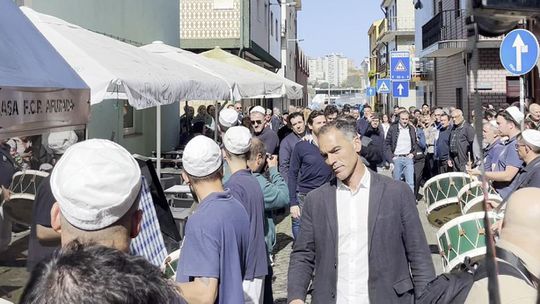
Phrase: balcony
[396,26]
[445,34]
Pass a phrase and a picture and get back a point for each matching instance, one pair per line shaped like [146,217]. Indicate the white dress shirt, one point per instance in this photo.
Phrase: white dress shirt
[353,259]
[403,145]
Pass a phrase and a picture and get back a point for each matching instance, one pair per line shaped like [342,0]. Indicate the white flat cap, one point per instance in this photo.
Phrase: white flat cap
[516,114]
[95,183]
[258,109]
[237,140]
[532,137]
[228,118]
[58,142]
[202,156]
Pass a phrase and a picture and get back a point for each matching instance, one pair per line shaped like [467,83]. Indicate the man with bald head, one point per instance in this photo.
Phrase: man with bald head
[534,115]
[517,252]
[461,141]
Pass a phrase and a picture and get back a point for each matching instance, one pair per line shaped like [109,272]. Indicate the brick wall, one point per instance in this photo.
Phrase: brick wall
[491,74]
[450,74]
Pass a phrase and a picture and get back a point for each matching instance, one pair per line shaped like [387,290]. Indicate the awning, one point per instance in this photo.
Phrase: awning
[245,83]
[38,88]
[290,89]
[111,67]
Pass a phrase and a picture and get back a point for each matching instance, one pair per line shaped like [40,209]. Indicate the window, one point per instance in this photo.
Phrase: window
[259,10]
[277,31]
[128,118]
[457,5]
[512,89]
[459,98]
[271,24]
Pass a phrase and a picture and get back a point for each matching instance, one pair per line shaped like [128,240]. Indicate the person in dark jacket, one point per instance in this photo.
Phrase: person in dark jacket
[296,121]
[372,151]
[400,148]
[442,146]
[528,148]
[363,123]
[461,142]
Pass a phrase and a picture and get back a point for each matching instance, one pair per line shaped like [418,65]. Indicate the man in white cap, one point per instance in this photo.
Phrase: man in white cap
[266,135]
[508,165]
[528,147]
[96,185]
[245,188]
[213,256]
[228,117]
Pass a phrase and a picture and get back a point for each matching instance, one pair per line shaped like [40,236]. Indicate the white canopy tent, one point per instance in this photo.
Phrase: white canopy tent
[111,67]
[38,88]
[245,83]
[289,88]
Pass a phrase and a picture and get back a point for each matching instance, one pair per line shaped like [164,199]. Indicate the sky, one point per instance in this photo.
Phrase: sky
[337,26]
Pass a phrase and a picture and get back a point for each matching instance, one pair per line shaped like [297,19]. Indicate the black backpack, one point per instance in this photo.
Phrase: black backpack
[454,287]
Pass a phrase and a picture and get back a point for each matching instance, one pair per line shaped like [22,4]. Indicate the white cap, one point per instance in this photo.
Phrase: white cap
[237,140]
[258,109]
[58,142]
[532,137]
[95,183]
[201,157]
[268,112]
[516,114]
[228,118]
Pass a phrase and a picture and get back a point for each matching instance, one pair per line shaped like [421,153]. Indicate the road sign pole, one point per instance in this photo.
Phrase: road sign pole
[522,98]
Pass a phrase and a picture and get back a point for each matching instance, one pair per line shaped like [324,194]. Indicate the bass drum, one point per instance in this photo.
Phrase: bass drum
[441,196]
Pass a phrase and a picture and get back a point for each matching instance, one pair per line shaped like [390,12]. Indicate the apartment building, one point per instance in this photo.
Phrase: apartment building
[441,37]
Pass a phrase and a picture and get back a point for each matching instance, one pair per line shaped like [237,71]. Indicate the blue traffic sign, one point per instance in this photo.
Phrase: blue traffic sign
[383,86]
[400,65]
[519,52]
[370,92]
[400,89]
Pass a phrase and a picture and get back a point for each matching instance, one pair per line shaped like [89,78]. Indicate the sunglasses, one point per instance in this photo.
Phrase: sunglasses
[258,122]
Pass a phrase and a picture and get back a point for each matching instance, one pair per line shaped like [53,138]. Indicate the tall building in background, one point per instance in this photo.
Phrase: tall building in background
[333,69]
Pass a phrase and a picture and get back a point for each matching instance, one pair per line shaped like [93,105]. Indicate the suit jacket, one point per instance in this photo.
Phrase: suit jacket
[400,263]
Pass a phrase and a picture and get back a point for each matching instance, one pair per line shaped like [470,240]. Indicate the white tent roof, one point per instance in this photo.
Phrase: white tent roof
[246,84]
[290,88]
[33,78]
[108,65]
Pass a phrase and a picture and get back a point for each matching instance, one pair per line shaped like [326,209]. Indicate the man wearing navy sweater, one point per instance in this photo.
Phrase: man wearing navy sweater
[307,170]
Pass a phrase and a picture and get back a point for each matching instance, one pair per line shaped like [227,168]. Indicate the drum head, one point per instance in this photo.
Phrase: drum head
[442,212]
[19,208]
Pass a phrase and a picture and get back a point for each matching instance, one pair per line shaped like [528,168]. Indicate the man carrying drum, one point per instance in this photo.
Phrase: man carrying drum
[507,167]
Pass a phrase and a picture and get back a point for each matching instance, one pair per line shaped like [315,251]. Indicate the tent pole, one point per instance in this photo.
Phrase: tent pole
[216,110]
[158,141]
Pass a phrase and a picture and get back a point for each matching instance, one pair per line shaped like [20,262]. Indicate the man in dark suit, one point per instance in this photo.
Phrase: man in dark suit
[361,239]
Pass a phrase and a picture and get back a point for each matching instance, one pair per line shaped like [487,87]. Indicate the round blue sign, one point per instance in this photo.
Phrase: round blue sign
[519,52]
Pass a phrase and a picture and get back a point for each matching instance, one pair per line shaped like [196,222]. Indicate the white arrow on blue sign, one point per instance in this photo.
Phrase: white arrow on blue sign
[370,92]
[383,86]
[400,89]
[519,52]
[400,65]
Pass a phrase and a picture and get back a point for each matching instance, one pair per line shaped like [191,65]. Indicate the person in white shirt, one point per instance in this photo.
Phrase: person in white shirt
[361,240]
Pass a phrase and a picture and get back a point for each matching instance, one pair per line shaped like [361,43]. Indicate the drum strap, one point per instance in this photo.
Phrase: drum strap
[517,263]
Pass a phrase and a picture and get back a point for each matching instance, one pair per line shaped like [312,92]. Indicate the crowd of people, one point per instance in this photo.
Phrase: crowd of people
[357,234]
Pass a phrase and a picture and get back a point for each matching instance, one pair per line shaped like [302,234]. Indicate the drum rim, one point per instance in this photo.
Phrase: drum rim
[467,187]
[444,175]
[31,172]
[461,257]
[440,203]
[474,201]
[464,218]
[27,196]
